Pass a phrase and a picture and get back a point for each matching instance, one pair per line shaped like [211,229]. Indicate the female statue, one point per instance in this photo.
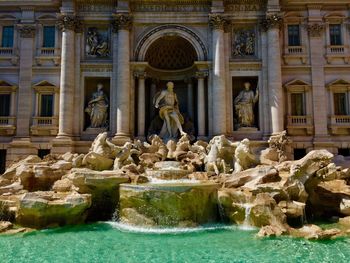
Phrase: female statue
[97,108]
[244,104]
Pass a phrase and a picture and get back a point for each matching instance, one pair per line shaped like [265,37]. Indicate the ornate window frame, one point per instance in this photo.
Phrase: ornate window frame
[341,51]
[9,54]
[295,53]
[297,125]
[339,125]
[8,123]
[45,125]
[44,54]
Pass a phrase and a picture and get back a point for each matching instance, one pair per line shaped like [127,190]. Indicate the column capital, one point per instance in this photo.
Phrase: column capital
[202,74]
[26,30]
[121,21]
[140,74]
[69,22]
[217,21]
[315,29]
[271,21]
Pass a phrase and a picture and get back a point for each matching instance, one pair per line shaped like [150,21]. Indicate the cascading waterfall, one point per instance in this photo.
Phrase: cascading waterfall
[246,223]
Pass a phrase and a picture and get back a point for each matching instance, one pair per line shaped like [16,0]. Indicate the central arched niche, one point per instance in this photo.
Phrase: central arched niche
[171,53]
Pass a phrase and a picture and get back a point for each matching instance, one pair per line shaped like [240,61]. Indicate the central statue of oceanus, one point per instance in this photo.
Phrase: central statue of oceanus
[169,112]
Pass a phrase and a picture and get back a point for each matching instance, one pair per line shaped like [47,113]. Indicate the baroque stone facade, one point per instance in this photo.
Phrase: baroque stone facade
[294,54]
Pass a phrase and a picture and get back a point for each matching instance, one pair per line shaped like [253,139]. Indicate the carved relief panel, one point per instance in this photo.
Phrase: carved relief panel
[97,43]
[243,41]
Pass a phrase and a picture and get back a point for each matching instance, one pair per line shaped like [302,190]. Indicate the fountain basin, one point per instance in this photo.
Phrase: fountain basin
[168,204]
[168,170]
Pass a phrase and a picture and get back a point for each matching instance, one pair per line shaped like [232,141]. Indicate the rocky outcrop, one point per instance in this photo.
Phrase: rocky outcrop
[103,188]
[306,167]
[314,232]
[241,207]
[48,209]
[173,204]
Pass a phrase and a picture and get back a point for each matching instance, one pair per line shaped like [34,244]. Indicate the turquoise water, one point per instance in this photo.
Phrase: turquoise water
[108,242]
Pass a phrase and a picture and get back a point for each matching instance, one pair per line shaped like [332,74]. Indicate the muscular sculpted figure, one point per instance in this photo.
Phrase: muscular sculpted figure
[244,104]
[97,108]
[169,111]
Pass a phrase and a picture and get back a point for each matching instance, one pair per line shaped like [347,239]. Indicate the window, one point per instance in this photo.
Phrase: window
[2,161]
[297,101]
[293,35]
[335,35]
[46,105]
[7,36]
[340,102]
[5,105]
[49,36]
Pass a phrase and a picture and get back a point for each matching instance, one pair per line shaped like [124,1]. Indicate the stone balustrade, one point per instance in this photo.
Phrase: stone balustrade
[298,124]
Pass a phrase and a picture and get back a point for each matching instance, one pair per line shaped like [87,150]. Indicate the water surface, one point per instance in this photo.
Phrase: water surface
[112,242]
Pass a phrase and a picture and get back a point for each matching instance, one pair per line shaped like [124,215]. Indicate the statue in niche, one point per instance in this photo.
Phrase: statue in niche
[97,44]
[169,112]
[244,43]
[244,105]
[98,108]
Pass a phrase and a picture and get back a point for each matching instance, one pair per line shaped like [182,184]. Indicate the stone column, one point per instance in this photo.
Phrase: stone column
[217,23]
[141,105]
[78,100]
[201,75]
[122,24]
[21,145]
[68,24]
[274,72]
[319,91]
[113,90]
[190,98]
[24,109]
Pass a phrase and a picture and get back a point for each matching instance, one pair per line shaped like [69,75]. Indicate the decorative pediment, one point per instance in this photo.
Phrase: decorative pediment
[297,85]
[334,17]
[7,17]
[47,17]
[339,85]
[7,87]
[45,86]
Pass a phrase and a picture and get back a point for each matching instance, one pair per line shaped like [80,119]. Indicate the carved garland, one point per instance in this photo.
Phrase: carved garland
[178,27]
[315,30]
[121,21]
[26,31]
[69,22]
[271,21]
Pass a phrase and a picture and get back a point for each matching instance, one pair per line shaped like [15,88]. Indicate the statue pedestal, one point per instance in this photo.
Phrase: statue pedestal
[91,133]
[247,129]
[252,133]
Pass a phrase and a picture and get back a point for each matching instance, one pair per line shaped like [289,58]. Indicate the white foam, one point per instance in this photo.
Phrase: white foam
[176,230]
[178,181]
